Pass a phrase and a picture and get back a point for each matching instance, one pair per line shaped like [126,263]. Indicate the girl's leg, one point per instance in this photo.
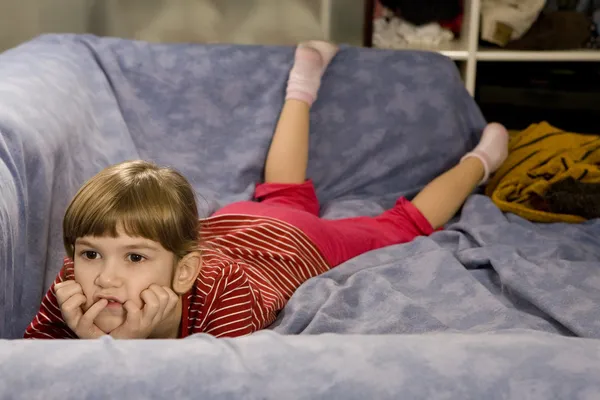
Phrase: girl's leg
[288,155]
[433,207]
[442,198]
[285,183]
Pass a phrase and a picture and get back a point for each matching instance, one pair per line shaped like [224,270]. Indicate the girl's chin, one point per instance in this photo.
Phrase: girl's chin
[107,324]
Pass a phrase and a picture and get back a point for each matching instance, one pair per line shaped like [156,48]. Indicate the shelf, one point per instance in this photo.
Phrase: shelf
[516,55]
[456,49]
[467,50]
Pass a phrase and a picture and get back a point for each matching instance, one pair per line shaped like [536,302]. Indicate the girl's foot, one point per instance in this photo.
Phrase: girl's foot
[492,149]
[311,61]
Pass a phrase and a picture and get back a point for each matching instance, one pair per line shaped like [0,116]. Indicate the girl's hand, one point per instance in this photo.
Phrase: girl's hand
[70,297]
[159,302]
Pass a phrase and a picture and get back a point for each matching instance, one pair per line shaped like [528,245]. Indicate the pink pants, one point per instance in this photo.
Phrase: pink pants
[338,240]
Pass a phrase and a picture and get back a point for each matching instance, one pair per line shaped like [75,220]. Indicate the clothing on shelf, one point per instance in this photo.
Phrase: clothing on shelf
[540,157]
[394,32]
[583,6]
[425,11]
[503,21]
[587,7]
[558,30]
[447,14]
[541,24]
[594,40]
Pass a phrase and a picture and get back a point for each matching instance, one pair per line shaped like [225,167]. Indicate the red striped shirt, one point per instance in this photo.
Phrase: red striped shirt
[251,266]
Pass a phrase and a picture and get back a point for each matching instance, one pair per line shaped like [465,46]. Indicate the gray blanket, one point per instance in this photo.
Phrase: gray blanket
[385,124]
[486,272]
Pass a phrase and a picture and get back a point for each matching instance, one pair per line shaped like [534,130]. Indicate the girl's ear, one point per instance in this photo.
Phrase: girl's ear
[186,272]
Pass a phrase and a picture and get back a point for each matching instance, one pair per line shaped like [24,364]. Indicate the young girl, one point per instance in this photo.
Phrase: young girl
[140,266]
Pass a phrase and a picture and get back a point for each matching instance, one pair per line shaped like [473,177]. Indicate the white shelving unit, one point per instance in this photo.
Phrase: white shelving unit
[469,53]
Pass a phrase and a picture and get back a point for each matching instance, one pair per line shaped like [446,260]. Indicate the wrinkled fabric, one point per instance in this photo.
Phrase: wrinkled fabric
[487,272]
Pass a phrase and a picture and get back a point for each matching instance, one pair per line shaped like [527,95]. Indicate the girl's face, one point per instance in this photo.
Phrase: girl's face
[119,269]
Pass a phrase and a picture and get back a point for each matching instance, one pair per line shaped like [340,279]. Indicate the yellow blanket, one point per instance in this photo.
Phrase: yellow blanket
[538,157]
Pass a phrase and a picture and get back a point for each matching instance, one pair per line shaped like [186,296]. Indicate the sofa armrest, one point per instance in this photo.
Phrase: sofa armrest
[265,365]
[56,106]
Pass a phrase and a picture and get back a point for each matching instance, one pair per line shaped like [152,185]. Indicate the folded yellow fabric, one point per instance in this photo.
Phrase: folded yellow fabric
[538,157]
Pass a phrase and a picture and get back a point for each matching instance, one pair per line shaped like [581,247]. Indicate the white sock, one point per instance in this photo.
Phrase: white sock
[492,149]
[310,62]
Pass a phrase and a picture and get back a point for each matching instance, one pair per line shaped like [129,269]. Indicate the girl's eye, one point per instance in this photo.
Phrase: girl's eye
[90,255]
[135,258]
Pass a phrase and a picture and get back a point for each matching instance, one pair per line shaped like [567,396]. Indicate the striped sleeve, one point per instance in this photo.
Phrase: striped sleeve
[230,305]
[48,322]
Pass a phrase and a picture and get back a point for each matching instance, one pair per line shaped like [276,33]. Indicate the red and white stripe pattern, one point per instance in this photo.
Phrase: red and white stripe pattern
[48,323]
[251,266]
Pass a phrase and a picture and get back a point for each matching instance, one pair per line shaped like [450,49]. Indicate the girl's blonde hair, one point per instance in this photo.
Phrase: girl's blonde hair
[141,198]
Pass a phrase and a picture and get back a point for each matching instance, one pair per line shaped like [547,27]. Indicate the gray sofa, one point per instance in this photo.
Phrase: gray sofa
[493,307]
